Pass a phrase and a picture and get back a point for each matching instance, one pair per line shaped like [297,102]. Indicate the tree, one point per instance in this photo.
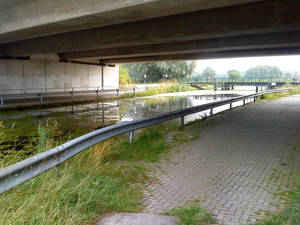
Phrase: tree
[124,77]
[234,74]
[208,73]
[263,72]
[160,70]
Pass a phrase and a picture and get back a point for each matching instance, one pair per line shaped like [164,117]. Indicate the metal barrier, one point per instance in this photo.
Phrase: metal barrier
[20,172]
[41,95]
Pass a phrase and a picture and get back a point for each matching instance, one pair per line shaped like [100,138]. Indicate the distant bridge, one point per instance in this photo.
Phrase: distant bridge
[226,84]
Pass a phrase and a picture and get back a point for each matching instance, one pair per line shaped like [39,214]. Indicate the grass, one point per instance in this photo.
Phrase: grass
[291,214]
[274,96]
[87,186]
[192,215]
[148,147]
[166,88]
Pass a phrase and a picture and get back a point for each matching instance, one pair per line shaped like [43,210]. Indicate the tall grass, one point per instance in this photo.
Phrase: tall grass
[165,88]
[87,186]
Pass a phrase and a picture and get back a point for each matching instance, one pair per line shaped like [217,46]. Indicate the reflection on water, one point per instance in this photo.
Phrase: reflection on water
[101,114]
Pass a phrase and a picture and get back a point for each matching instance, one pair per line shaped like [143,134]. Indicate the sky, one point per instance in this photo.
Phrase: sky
[221,66]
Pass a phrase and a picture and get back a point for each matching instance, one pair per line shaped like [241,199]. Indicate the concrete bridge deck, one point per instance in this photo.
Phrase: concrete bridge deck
[241,160]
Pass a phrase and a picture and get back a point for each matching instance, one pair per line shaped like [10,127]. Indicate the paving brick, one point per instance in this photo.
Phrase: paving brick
[229,168]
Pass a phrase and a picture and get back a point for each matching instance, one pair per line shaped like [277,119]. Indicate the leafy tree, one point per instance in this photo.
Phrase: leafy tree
[263,71]
[234,74]
[208,73]
[124,77]
[160,70]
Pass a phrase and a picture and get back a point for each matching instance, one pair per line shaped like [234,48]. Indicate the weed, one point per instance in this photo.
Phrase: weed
[192,215]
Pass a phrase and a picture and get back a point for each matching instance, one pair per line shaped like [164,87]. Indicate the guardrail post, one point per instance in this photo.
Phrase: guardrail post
[118,92]
[72,93]
[212,111]
[230,105]
[2,100]
[41,97]
[97,91]
[133,91]
[131,136]
[182,122]
[244,101]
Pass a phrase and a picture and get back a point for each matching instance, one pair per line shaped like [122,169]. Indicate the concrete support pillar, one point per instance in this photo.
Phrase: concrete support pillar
[49,74]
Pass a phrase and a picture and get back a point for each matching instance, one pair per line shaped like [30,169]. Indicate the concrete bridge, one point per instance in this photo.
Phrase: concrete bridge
[63,43]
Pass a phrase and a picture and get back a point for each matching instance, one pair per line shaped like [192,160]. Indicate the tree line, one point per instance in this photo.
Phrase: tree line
[155,72]
[184,71]
[257,72]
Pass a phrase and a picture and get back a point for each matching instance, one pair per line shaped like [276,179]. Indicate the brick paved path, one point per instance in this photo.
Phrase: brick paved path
[236,166]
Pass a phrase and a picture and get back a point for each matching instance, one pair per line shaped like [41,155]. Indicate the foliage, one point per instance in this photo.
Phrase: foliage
[192,215]
[261,72]
[234,74]
[148,147]
[166,88]
[17,143]
[208,73]
[124,77]
[74,193]
[160,70]
[86,186]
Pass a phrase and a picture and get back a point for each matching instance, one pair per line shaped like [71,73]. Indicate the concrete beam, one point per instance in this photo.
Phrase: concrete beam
[209,55]
[261,17]
[271,40]
[23,19]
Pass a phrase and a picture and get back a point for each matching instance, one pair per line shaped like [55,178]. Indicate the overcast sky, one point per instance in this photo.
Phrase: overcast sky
[285,63]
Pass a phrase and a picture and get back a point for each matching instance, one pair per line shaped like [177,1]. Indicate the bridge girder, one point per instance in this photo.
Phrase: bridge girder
[254,29]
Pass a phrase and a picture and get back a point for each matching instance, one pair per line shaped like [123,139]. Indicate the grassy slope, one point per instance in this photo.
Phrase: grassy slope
[86,186]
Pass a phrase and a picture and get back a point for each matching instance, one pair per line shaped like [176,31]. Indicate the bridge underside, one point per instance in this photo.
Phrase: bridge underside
[163,30]
[105,32]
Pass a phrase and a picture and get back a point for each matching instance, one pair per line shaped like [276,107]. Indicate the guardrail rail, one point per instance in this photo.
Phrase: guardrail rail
[20,172]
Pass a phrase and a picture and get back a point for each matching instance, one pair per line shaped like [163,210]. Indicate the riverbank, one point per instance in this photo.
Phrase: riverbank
[107,177]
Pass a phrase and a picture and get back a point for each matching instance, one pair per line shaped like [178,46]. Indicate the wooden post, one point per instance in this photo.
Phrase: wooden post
[182,122]
[133,91]
[118,92]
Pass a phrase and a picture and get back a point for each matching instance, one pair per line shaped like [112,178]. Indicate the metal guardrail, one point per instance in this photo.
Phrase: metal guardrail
[44,94]
[20,172]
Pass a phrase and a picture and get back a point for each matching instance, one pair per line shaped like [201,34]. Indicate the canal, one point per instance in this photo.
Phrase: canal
[20,130]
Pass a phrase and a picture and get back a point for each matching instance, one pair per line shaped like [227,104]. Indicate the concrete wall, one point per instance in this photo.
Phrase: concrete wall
[44,73]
